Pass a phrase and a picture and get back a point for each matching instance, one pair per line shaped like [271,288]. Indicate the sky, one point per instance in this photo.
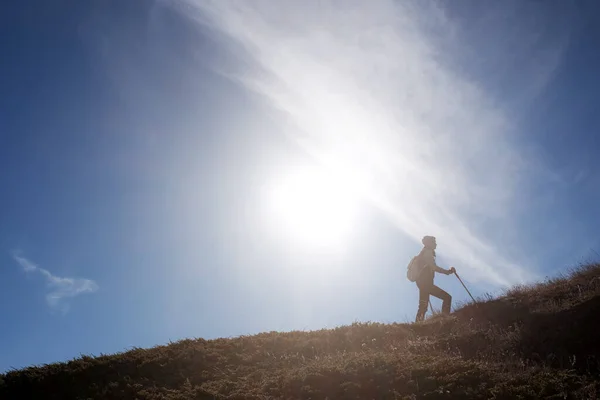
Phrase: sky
[181,168]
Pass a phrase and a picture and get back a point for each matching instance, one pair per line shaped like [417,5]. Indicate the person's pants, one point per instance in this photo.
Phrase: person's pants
[426,289]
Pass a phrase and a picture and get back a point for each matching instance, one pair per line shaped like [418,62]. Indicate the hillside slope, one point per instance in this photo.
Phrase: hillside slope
[534,342]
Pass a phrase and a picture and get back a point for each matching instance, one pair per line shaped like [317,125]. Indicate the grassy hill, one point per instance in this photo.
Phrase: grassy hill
[536,342]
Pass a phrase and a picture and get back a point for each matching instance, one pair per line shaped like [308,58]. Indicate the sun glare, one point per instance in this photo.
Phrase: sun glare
[313,207]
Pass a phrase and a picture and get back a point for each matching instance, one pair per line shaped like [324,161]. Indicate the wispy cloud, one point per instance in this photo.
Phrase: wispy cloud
[378,91]
[59,288]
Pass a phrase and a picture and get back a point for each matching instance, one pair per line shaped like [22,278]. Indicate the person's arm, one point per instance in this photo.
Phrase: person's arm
[441,270]
[436,268]
[445,271]
[429,260]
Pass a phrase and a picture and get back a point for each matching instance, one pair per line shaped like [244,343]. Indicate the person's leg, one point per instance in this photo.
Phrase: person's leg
[423,301]
[444,296]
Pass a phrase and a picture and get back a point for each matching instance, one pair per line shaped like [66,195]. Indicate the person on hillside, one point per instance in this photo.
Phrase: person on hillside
[425,280]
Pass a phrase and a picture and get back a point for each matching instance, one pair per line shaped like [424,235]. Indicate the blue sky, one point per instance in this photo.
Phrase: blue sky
[142,145]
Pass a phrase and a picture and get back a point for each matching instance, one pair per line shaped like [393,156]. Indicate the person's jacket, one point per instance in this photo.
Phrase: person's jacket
[429,266]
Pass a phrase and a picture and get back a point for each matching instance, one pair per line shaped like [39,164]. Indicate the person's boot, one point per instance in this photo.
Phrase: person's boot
[446,305]
[421,311]
[420,317]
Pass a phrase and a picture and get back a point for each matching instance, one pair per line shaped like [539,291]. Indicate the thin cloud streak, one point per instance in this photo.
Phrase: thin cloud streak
[372,90]
[60,288]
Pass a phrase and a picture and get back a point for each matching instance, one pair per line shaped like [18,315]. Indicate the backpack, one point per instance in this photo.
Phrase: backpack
[414,269]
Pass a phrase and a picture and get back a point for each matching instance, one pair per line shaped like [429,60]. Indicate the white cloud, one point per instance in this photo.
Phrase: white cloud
[60,288]
[375,89]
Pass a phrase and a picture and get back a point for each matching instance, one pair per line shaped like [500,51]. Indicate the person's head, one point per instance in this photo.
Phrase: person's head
[429,242]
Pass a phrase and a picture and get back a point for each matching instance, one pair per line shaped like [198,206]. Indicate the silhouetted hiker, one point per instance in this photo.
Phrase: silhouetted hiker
[422,270]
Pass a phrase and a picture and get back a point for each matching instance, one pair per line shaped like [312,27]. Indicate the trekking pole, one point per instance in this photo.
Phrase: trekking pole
[465,287]
[431,307]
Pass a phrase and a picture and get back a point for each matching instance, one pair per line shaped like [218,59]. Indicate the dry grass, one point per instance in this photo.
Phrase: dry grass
[534,342]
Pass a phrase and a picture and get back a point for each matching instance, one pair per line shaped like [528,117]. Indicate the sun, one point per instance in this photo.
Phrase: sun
[312,206]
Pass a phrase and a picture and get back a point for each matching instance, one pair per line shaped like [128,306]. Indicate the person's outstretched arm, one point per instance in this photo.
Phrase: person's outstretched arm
[442,270]
[430,260]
